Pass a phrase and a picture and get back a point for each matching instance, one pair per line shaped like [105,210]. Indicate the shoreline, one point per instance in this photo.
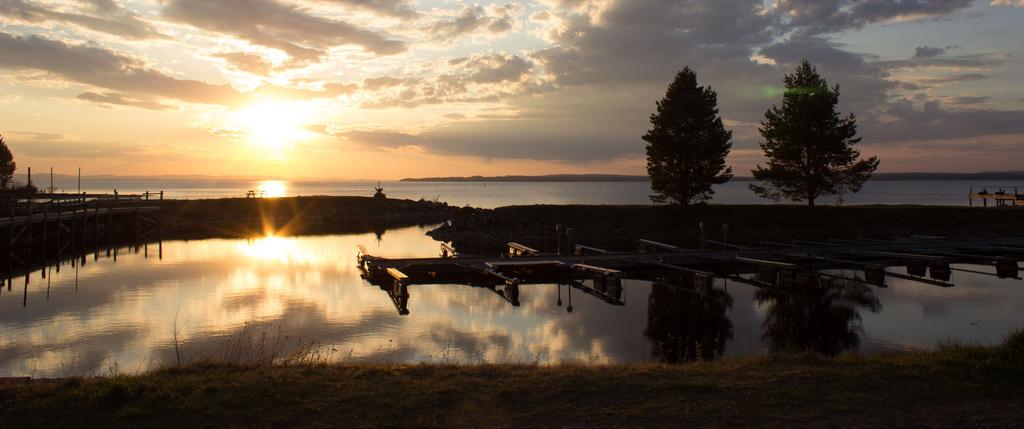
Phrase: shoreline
[486,231]
[954,386]
[748,223]
[317,215]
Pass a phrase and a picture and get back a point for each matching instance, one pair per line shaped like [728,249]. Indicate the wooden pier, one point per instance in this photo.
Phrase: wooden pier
[1000,197]
[602,273]
[45,220]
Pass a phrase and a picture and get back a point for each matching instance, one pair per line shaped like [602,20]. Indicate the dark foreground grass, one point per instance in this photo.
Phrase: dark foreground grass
[956,386]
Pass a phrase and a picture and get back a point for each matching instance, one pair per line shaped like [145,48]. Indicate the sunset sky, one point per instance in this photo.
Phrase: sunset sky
[403,88]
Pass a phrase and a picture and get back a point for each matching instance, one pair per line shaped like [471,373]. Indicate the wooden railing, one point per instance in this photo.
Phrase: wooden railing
[20,205]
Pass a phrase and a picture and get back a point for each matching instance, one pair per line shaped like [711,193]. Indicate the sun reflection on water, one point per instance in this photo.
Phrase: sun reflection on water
[269,249]
[273,188]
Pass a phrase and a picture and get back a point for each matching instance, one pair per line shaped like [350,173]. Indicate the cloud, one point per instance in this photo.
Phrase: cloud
[304,37]
[1019,3]
[104,68]
[930,121]
[966,77]
[247,62]
[478,78]
[105,99]
[494,19]
[980,61]
[106,17]
[55,145]
[970,99]
[642,41]
[581,128]
[928,52]
[816,17]
[324,90]
[394,8]
[496,68]
[381,82]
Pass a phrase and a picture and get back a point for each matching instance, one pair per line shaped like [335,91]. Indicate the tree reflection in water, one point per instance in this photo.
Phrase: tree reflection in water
[688,321]
[821,315]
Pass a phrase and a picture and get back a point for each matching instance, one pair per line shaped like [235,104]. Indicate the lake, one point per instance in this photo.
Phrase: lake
[495,194]
[98,314]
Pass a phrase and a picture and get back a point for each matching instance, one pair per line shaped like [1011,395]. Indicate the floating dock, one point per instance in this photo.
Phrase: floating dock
[601,272]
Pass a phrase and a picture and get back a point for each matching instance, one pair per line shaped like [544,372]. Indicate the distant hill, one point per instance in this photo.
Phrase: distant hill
[988,175]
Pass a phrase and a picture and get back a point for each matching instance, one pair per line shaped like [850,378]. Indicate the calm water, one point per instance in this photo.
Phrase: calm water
[490,195]
[89,318]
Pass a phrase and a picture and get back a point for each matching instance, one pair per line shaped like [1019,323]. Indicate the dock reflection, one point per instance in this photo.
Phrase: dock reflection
[21,264]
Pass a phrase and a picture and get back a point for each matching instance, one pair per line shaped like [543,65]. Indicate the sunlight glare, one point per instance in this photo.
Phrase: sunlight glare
[272,125]
[272,188]
[270,249]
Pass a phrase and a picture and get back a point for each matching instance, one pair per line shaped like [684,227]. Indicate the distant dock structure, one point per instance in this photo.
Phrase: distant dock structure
[1001,197]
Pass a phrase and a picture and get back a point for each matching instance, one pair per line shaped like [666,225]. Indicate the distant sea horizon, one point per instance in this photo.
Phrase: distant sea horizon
[884,189]
[43,177]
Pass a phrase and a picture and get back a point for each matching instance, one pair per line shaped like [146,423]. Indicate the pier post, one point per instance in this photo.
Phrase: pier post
[110,220]
[558,239]
[28,220]
[46,229]
[14,202]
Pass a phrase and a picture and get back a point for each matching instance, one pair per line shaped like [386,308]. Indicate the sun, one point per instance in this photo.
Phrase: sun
[272,125]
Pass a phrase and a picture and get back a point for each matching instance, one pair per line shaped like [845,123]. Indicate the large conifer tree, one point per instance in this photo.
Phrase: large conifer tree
[687,143]
[809,146]
[7,165]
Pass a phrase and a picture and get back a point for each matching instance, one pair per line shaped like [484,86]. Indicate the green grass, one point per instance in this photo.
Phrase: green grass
[954,386]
